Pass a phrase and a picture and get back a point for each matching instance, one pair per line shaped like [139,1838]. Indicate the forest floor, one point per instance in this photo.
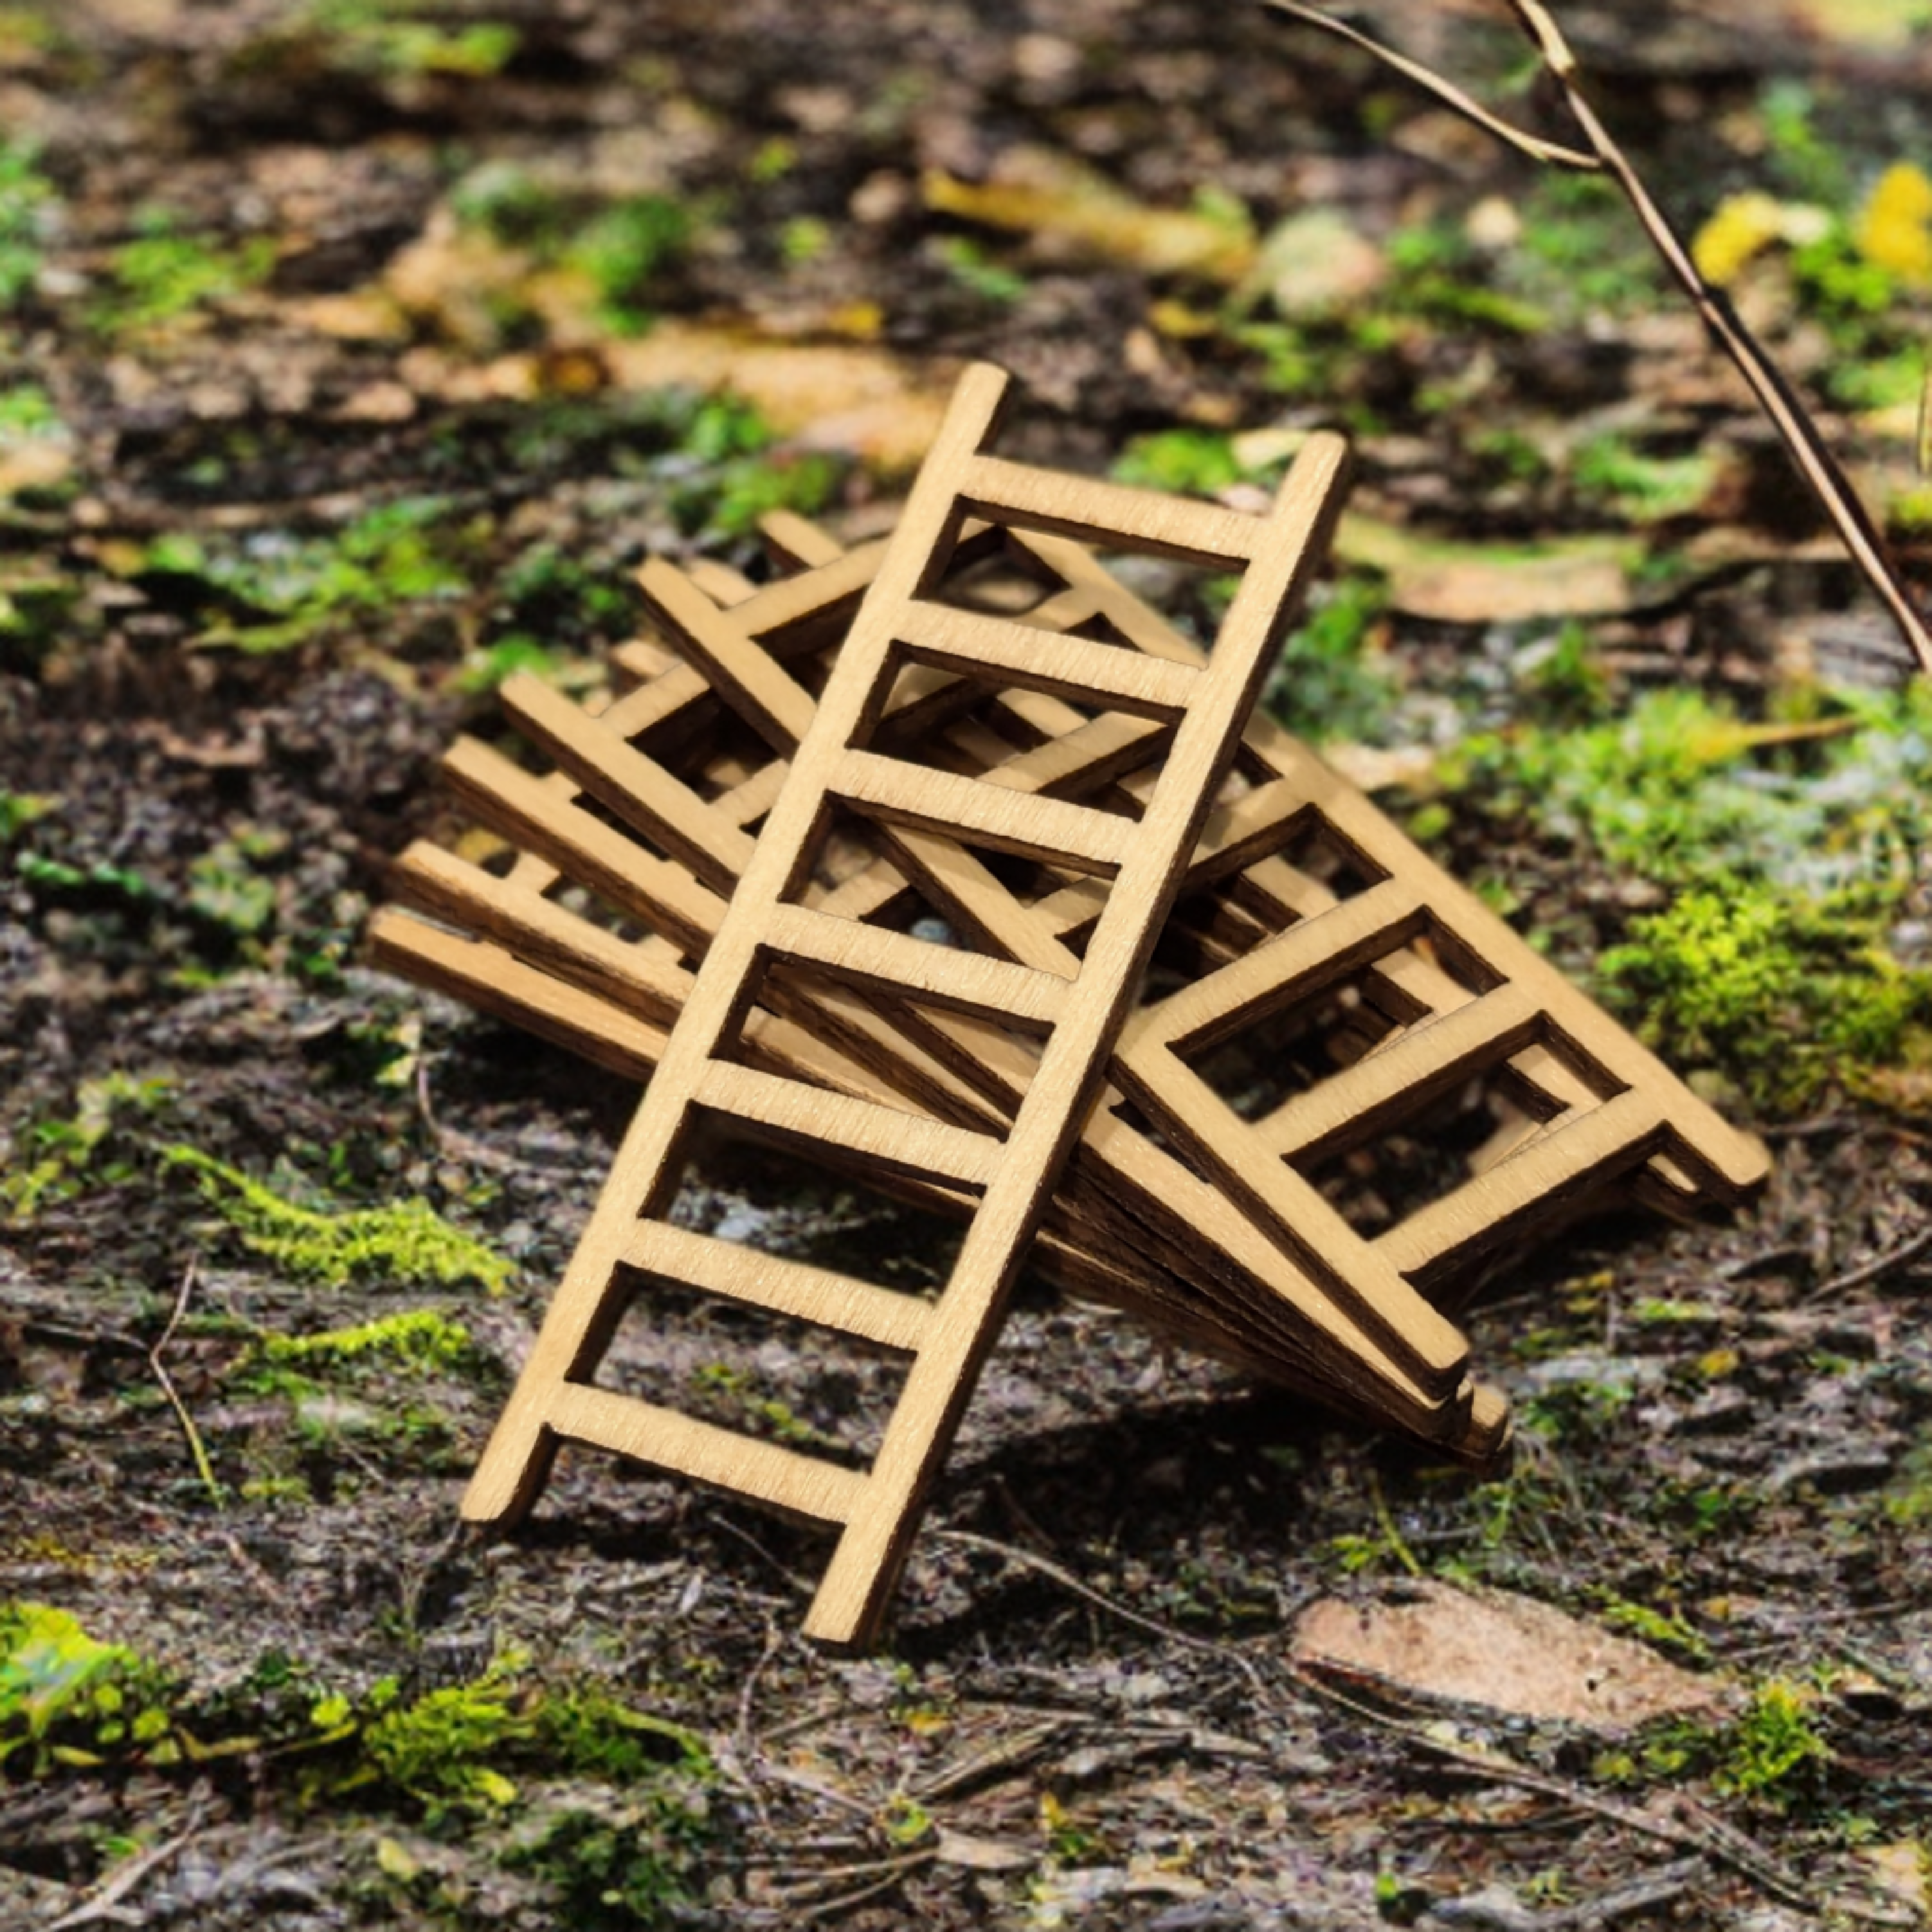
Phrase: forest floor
[352,354]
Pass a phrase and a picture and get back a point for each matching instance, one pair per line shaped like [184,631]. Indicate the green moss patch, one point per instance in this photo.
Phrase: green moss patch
[406,1242]
[1789,854]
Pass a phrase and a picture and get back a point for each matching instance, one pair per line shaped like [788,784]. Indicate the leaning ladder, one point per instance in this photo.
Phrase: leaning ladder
[900,622]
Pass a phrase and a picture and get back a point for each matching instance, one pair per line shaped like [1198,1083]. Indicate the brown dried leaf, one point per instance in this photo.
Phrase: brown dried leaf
[1040,192]
[828,395]
[1504,1652]
[1901,1871]
[1315,262]
[36,465]
[990,1854]
[1470,584]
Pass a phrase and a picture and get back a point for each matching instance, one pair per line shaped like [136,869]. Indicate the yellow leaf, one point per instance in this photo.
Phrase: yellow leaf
[327,1713]
[829,395]
[1176,319]
[1871,23]
[1040,192]
[1477,583]
[1895,230]
[395,1861]
[1741,227]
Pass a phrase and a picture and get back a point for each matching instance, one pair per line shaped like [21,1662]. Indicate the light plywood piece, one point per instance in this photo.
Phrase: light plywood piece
[1285,1309]
[553,1399]
[1413,1366]
[1252,1333]
[1409,983]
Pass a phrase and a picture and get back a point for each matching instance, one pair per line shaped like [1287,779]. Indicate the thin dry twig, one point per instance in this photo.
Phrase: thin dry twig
[196,1448]
[997,1760]
[749,1748]
[1053,1572]
[106,1902]
[1444,90]
[774,1642]
[1819,467]
[1705,1834]
[899,1871]
[1391,1535]
[255,1573]
[1876,1269]
[1663,1886]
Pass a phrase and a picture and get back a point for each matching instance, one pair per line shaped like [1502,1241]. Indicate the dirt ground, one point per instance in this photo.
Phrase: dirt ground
[355,354]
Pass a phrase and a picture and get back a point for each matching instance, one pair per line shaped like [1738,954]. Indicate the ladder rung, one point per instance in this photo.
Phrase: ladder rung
[972,644]
[805,1485]
[1141,520]
[1426,1061]
[495,982]
[932,974]
[568,948]
[1247,831]
[1073,906]
[1556,1163]
[900,1143]
[660,695]
[812,598]
[612,865]
[817,1295]
[1355,932]
[1084,760]
[748,682]
[747,803]
[958,883]
[645,797]
[977,813]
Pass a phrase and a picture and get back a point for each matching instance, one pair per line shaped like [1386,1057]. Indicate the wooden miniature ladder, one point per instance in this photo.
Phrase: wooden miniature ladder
[561,974]
[1080,1015]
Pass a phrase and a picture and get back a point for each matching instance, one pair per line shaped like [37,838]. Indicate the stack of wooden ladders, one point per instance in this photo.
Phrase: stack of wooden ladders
[1066,788]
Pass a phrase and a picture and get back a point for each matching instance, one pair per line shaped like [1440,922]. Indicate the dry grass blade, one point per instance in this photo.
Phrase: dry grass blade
[1820,469]
[203,1467]
[1445,91]
[1057,1573]
[1875,1270]
[127,1877]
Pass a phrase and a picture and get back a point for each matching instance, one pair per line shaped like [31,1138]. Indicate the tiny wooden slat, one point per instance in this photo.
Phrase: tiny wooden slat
[962,982]
[819,1295]
[894,1142]
[994,816]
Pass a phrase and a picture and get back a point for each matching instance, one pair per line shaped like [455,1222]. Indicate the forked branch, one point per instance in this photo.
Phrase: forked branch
[1601,155]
